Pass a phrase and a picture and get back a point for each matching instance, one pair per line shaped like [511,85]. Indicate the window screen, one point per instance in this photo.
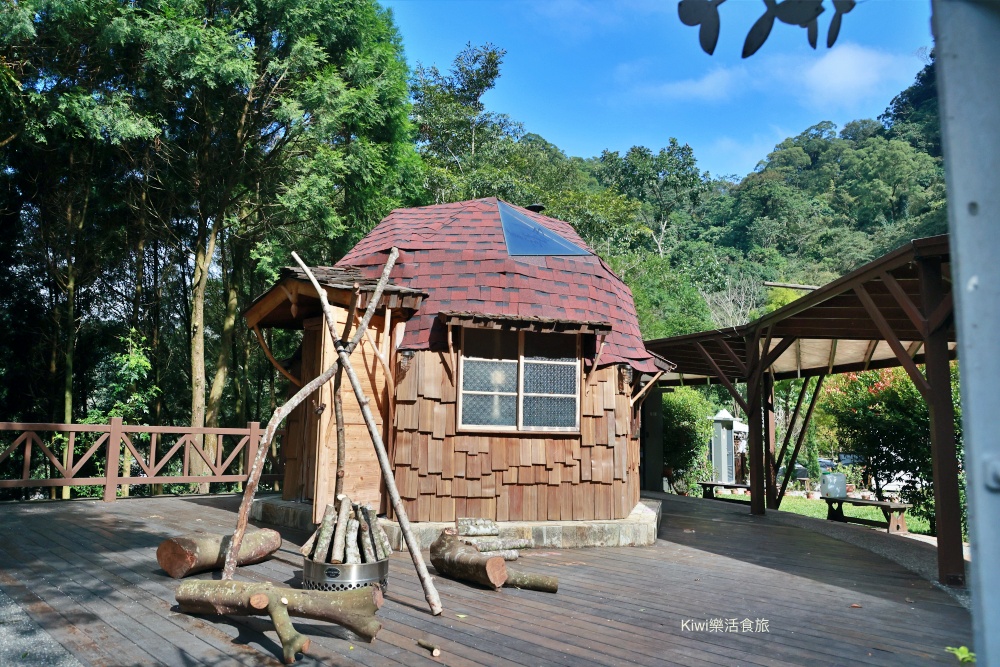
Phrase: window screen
[512,380]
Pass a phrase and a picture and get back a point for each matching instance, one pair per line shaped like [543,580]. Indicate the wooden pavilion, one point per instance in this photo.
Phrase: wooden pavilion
[505,367]
[894,311]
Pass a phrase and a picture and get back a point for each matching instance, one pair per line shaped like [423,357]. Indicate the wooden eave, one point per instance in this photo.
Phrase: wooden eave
[523,323]
[292,300]
[829,330]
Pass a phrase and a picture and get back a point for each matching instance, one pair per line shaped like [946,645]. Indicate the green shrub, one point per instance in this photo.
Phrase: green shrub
[687,432]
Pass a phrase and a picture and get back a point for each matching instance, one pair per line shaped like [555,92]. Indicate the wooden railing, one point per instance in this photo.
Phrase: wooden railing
[112,443]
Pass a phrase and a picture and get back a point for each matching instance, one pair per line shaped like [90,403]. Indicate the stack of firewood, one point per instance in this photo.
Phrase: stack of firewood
[348,533]
[484,535]
[474,551]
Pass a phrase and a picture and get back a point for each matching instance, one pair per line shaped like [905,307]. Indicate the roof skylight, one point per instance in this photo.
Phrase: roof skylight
[525,236]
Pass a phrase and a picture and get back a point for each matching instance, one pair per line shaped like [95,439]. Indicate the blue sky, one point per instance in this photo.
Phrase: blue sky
[594,74]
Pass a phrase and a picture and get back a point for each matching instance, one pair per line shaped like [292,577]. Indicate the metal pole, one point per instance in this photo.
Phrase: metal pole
[967,37]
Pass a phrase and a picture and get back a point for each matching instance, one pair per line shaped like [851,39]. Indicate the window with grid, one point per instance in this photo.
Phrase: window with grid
[519,381]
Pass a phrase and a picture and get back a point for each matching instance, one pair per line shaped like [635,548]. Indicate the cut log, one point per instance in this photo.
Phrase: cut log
[353,609]
[433,648]
[352,554]
[476,527]
[364,537]
[498,544]
[325,534]
[382,539]
[340,534]
[531,582]
[368,530]
[453,558]
[307,548]
[199,552]
[506,554]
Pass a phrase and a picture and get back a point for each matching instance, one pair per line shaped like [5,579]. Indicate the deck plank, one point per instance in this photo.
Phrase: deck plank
[86,572]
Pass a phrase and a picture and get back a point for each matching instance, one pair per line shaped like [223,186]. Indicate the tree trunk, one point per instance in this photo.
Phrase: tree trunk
[353,610]
[453,558]
[199,552]
[531,582]
[205,249]
[68,358]
[214,406]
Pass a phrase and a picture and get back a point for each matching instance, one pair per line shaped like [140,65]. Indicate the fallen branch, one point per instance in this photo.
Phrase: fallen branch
[506,554]
[292,641]
[433,648]
[353,609]
[344,355]
[453,558]
[200,552]
[531,582]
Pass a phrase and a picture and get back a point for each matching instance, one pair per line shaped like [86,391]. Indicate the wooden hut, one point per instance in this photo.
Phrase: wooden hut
[505,366]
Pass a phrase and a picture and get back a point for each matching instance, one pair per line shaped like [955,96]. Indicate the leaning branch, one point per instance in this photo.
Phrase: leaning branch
[344,353]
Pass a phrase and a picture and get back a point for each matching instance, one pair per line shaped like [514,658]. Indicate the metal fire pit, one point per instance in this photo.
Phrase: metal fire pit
[344,577]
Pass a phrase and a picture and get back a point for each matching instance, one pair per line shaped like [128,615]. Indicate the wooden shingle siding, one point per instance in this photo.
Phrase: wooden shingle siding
[539,476]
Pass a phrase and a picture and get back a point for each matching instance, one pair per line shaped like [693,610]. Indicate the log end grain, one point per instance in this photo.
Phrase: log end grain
[177,557]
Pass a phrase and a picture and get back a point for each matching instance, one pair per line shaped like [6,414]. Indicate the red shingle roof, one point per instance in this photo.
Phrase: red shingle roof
[457,254]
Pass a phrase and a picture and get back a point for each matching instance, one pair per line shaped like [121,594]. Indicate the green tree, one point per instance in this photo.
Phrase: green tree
[469,152]
[666,184]
[912,116]
[882,418]
[273,116]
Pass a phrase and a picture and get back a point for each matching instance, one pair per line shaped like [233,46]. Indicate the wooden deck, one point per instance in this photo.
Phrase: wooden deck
[87,573]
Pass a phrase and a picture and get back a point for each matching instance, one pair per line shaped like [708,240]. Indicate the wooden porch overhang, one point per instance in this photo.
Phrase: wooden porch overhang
[293,298]
[894,311]
[858,322]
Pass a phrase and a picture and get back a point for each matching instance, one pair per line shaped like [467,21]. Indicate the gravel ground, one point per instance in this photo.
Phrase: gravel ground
[23,642]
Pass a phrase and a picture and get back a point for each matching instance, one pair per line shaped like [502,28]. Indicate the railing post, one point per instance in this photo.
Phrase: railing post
[114,452]
[253,442]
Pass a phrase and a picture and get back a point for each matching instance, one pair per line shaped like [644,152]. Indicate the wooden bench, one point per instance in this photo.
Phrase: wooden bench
[708,488]
[894,512]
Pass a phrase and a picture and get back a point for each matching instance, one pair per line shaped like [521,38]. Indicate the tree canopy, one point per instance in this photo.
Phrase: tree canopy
[160,160]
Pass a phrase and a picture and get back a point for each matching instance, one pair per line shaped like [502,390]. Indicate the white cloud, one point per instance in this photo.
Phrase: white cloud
[719,84]
[850,74]
[842,79]
[580,19]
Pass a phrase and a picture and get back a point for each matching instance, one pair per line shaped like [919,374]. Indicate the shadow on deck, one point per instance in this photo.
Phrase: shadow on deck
[86,572]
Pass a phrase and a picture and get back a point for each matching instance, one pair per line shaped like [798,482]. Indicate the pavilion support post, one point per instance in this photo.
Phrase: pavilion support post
[767,394]
[947,506]
[756,436]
